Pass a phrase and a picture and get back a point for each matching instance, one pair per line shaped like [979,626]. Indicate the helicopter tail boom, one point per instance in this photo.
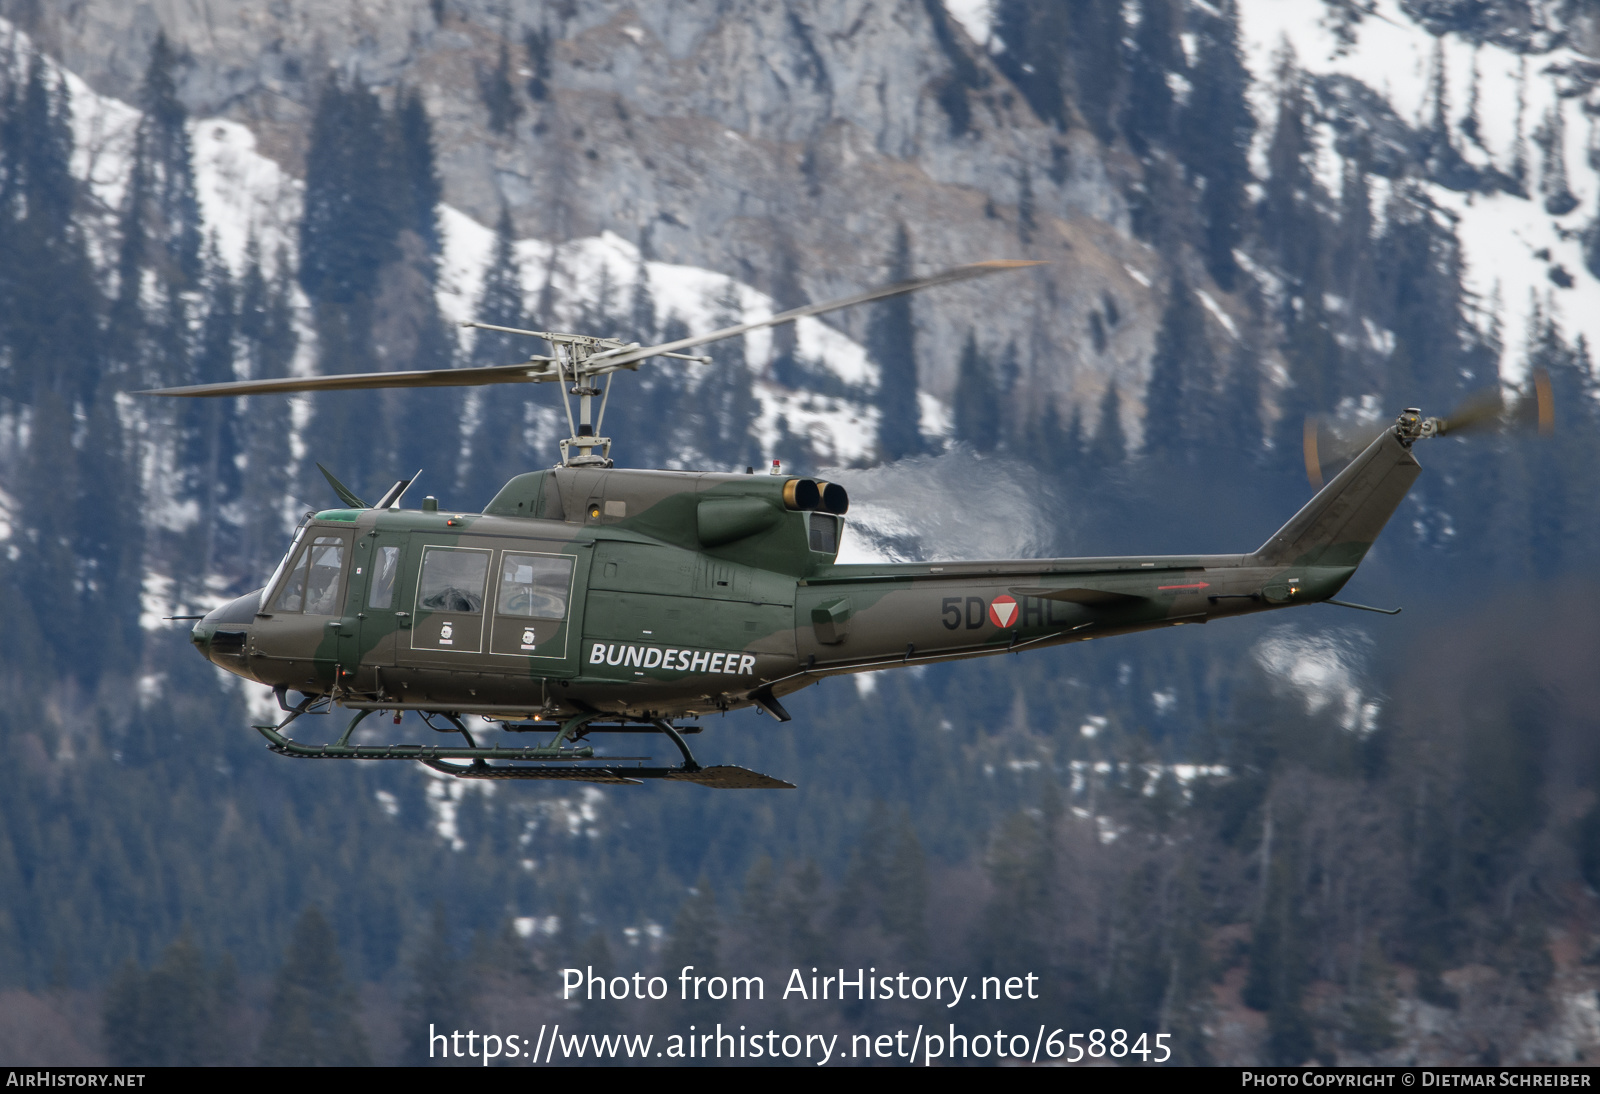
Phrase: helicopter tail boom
[1341,521]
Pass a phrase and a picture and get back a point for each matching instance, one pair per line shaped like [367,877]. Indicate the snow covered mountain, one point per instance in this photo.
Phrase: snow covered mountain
[689,148]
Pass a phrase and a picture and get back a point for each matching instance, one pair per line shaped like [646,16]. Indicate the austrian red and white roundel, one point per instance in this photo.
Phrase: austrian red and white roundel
[1003,611]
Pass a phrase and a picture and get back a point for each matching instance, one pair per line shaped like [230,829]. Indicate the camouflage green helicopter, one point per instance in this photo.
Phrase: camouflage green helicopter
[588,599]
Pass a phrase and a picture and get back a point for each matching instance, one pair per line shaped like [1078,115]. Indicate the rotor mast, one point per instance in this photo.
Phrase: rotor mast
[580,360]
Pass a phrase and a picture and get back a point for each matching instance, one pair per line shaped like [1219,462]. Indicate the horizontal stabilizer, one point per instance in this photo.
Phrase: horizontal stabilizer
[1094,598]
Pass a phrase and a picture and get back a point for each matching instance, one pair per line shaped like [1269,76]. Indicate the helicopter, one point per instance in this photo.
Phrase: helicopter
[587,599]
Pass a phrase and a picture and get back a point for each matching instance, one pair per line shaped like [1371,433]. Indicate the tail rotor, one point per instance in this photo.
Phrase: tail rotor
[1333,441]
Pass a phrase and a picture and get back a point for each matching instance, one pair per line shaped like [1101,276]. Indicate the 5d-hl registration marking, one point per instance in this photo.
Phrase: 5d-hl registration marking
[972,611]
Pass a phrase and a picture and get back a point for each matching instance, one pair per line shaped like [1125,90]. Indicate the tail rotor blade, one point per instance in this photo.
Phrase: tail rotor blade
[1482,410]
[1328,443]
[1545,397]
[1534,407]
[1313,460]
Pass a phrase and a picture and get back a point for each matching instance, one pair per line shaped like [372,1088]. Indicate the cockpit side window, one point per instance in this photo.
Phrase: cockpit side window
[325,567]
[314,581]
[384,569]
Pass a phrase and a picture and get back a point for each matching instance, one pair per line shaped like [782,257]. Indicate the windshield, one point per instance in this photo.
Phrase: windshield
[311,584]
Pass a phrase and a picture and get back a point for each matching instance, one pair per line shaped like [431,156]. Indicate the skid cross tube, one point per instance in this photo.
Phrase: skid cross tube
[666,727]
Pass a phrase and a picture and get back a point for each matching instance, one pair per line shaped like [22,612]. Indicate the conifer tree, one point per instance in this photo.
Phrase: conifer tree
[369,241]
[760,917]
[1038,44]
[536,41]
[48,489]
[110,534]
[1182,371]
[802,906]
[891,340]
[50,306]
[495,449]
[161,238]
[417,173]
[1351,257]
[725,396]
[348,233]
[499,96]
[441,995]
[1551,137]
[1217,127]
[695,941]
[1290,221]
[977,405]
[1278,971]
[603,1015]
[266,329]
[1237,424]
[211,426]
[1109,447]
[163,174]
[1147,117]
[642,306]
[1021,871]
[1026,213]
[79,556]
[171,1016]
[351,218]
[787,293]
[905,891]
[1055,445]
[313,1019]
[1096,43]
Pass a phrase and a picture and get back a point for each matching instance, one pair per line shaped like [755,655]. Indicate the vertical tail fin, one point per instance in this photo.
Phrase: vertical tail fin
[1339,523]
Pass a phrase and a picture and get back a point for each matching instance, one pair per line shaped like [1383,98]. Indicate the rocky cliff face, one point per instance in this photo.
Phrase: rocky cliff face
[779,143]
[782,142]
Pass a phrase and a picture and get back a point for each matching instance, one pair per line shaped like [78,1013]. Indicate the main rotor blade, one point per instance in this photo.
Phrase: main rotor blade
[608,362]
[529,372]
[543,369]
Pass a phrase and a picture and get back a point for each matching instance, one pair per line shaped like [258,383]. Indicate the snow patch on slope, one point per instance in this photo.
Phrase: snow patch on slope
[1512,247]
[976,16]
[243,194]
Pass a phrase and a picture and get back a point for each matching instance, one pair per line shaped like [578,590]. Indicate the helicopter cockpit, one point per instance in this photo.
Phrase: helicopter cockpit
[313,582]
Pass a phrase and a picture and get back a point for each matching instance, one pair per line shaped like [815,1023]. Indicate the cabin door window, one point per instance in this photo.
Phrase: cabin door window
[449,605]
[531,605]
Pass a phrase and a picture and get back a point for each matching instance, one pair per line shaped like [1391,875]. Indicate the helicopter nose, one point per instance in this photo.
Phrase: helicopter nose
[221,636]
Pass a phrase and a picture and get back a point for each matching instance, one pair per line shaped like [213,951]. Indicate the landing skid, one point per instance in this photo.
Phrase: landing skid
[556,759]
